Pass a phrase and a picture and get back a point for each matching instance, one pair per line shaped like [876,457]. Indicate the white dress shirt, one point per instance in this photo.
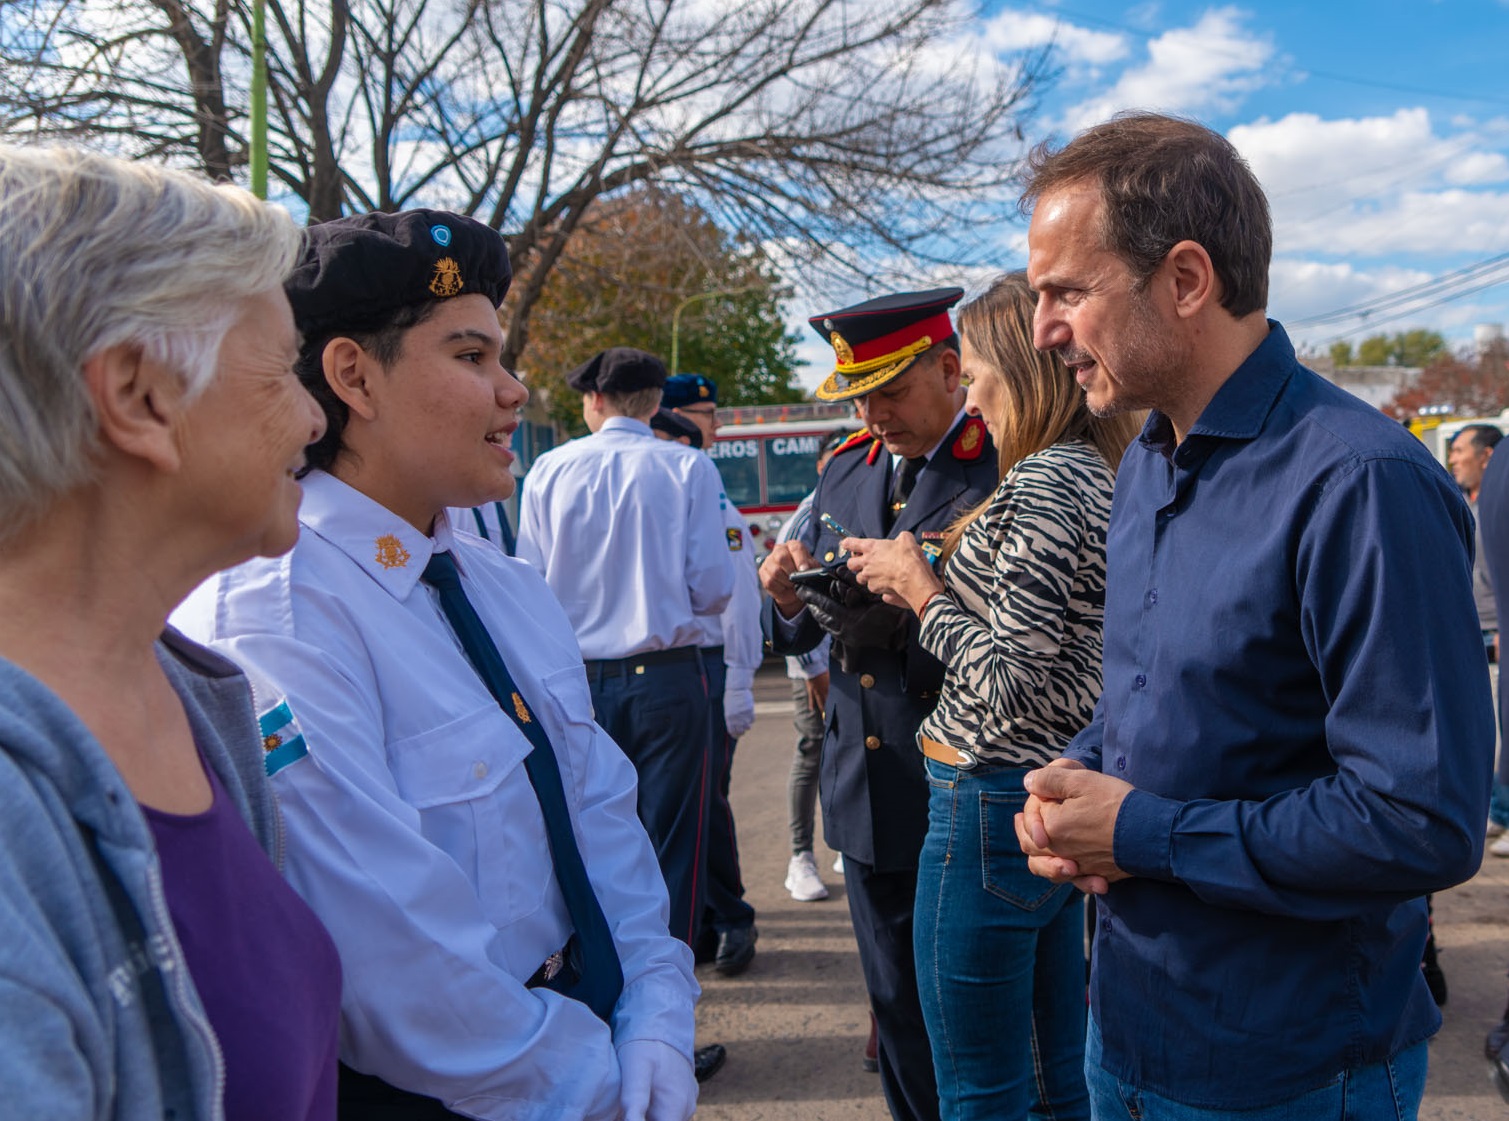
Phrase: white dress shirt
[737,629]
[413,829]
[628,532]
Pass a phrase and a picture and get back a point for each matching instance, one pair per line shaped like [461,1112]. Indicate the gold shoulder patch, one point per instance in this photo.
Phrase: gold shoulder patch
[735,539]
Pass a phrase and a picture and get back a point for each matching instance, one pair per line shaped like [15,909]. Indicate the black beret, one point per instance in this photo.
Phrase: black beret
[355,272]
[618,370]
[689,389]
[676,426]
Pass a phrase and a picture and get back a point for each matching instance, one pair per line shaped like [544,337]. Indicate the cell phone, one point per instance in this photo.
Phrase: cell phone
[819,579]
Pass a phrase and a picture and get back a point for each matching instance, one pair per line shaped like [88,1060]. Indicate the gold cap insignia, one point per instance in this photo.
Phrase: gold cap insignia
[390,552]
[447,279]
[842,348]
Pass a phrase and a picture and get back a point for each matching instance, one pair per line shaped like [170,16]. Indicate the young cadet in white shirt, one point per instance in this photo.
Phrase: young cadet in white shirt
[416,829]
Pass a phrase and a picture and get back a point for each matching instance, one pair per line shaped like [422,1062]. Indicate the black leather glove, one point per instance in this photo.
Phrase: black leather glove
[856,617]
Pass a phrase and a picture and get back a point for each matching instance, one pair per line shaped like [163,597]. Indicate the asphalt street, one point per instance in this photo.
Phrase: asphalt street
[795,1023]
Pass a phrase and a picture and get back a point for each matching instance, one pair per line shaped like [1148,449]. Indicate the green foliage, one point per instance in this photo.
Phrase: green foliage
[1341,353]
[1417,347]
[624,273]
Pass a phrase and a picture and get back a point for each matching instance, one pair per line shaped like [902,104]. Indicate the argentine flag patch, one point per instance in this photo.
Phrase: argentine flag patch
[282,741]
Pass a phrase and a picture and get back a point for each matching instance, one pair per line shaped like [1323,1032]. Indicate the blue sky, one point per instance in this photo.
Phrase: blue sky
[1380,132]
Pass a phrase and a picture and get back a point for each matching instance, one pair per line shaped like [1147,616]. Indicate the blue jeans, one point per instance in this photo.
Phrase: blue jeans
[1388,1091]
[1000,958]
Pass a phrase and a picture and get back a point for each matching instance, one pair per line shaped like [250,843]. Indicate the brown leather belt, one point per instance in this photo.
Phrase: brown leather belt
[952,756]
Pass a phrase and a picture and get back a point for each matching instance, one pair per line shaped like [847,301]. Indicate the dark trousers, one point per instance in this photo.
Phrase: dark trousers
[362,1097]
[656,710]
[880,904]
[726,908]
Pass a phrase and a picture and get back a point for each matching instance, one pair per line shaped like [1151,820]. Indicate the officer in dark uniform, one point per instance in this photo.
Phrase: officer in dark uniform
[919,465]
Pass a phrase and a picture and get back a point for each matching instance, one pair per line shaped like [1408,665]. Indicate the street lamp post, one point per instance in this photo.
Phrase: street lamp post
[676,315]
[257,157]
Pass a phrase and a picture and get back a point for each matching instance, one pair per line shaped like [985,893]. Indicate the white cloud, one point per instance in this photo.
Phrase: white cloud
[1207,68]
[1010,31]
[1375,186]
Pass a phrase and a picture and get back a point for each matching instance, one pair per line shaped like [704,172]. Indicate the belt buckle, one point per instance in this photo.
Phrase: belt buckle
[965,760]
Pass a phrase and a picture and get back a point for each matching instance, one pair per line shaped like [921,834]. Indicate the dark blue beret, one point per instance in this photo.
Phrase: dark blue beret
[355,273]
[618,370]
[689,389]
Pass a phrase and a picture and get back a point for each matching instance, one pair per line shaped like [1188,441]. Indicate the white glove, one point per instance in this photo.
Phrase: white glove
[656,1082]
[738,710]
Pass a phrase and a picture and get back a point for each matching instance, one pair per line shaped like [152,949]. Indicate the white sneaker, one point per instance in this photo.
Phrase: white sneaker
[1494,828]
[802,879]
[1500,847]
[838,864]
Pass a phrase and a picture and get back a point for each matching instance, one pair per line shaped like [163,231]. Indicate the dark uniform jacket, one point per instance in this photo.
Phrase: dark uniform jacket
[872,785]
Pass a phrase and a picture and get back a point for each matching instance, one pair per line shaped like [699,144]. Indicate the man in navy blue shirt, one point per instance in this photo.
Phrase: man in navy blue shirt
[1284,758]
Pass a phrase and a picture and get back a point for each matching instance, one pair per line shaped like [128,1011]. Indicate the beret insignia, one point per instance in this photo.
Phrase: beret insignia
[447,279]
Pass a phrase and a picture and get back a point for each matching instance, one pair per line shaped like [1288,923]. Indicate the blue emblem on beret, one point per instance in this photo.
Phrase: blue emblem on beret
[441,234]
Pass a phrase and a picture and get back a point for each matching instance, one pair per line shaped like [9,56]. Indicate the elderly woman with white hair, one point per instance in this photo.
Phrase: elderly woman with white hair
[154,963]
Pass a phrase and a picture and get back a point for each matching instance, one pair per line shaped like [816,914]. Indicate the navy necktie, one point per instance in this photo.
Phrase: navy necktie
[902,486]
[601,976]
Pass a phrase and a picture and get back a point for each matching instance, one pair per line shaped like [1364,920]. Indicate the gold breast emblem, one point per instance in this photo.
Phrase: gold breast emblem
[390,552]
[842,348]
[447,279]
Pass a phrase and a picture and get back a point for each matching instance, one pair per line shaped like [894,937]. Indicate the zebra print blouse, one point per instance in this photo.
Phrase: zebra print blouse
[1019,623]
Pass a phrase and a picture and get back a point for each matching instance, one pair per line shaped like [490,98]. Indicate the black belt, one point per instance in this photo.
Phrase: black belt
[649,658]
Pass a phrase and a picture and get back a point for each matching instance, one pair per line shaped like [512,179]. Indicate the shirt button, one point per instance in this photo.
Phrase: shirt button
[1152,597]
[1141,680]
[867,680]
[480,770]
[1121,762]
[872,742]
[1105,926]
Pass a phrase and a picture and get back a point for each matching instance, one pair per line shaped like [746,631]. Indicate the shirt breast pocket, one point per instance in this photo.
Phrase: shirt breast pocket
[466,779]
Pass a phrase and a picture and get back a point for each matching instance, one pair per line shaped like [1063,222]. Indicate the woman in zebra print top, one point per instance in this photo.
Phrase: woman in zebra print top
[1016,618]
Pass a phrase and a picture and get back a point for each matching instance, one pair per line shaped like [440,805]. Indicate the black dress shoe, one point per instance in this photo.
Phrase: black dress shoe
[736,949]
[708,1061]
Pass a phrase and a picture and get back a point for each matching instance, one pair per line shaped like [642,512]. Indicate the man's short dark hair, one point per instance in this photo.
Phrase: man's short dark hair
[1165,180]
[1482,435]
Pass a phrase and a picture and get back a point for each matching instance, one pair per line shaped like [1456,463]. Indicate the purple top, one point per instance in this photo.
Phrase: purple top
[265,968]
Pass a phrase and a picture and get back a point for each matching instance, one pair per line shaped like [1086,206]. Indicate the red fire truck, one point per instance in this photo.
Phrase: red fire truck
[767,456]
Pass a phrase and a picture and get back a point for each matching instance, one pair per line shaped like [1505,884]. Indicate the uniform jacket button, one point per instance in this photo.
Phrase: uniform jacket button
[867,680]
[872,742]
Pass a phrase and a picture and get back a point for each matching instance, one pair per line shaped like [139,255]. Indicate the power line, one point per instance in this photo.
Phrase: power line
[1443,285]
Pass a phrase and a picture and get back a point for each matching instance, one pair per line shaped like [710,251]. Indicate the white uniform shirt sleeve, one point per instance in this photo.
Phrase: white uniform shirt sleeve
[743,642]
[710,570]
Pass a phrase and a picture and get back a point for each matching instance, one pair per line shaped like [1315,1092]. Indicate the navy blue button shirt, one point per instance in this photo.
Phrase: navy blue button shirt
[1296,687]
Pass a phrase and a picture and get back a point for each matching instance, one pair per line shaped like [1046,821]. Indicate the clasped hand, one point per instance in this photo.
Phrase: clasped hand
[1067,829]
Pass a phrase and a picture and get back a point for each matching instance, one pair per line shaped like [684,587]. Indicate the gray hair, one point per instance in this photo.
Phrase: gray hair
[96,252]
